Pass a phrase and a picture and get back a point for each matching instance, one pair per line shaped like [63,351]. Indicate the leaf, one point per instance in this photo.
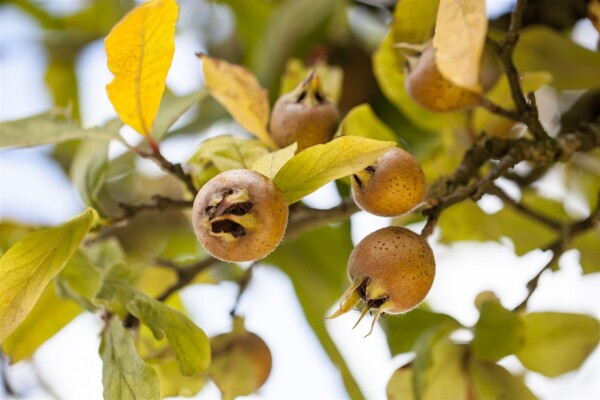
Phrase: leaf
[79,280]
[589,251]
[312,168]
[388,67]
[414,20]
[140,50]
[171,109]
[28,266]
[491,381]
[48,128]
[459,39]
[89,169]
[271,163]
[124,374]
[497,333]
[189,341]
[429,348]
[318,277]
[238,90]
[400,386]
[362,121]
[229,152]
[331,78]
[402,331]
[172,383]
[49,315]
[495,125]
[556,343]
[543,49]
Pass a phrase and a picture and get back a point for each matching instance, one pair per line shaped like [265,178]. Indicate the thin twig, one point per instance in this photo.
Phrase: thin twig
[243,285]
[174,169]
[523,209]
[558,247]
[159,203]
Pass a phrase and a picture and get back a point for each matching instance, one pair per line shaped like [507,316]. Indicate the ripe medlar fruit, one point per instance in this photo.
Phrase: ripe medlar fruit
[394,185]
[428,87]
[241,361]
[240,215]
[391,270]
[304,116]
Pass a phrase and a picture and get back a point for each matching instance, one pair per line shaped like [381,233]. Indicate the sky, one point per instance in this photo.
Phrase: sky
[69,364]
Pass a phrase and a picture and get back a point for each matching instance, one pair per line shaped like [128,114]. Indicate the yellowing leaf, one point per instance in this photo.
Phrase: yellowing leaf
[362,121]
[271,163]
[414,20]
[229,152]
[556,343]
[238,90]
[459,39]
[50,315]
[498,333]
[312,168]
[28,266]
[140,50]
[491,381]
[124,374]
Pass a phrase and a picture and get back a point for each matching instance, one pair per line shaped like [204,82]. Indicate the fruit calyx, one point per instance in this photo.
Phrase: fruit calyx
[228,216]
[309,91]
[362,177]
[370,294]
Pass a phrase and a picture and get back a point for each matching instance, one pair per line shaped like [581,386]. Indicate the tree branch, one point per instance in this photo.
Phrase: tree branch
[558,247]
[167,166]
[159,203]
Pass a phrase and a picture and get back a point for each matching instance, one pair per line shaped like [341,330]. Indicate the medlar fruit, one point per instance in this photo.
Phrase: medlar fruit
[304,116]
[240,215]
[241,361]
[391,270]
[394,185]
[428,87]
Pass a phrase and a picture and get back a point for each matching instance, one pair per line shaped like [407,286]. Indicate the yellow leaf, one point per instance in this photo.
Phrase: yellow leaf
[271,163]
[28,266]
[459,39]
[140,50]
[238,90]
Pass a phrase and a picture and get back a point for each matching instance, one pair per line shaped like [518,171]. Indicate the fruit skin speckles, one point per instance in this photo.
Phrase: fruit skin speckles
[391,270]
[304,116]
[391,187]
[240,215]
[427,86]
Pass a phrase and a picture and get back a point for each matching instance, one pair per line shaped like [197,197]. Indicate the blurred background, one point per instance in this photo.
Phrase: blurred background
[52,54]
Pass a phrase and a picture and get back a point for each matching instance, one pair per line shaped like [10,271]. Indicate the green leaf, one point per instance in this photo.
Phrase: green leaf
[171,109]
[312,168]
[400,386]
[414,20]
[402,331]
[556,343]
[362,121]
[491,381]
[89,169]
[229,152]
[189,341]
[319,277]
[28,266]
[432,346]
[589,251]
[124,374]
[49,315]
[271,163]
[79,281]
[48,128]
[498,332]
[543,49]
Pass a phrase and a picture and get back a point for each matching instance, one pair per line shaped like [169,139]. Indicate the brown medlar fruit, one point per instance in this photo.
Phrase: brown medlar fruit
[304,116]
[391,270]
[427,86]
[394,185]
[240,215]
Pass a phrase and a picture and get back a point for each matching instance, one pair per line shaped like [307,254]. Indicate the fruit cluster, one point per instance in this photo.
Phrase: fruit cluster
[241,215]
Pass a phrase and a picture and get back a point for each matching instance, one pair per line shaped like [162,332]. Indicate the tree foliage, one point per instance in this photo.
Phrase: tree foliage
[132,250]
